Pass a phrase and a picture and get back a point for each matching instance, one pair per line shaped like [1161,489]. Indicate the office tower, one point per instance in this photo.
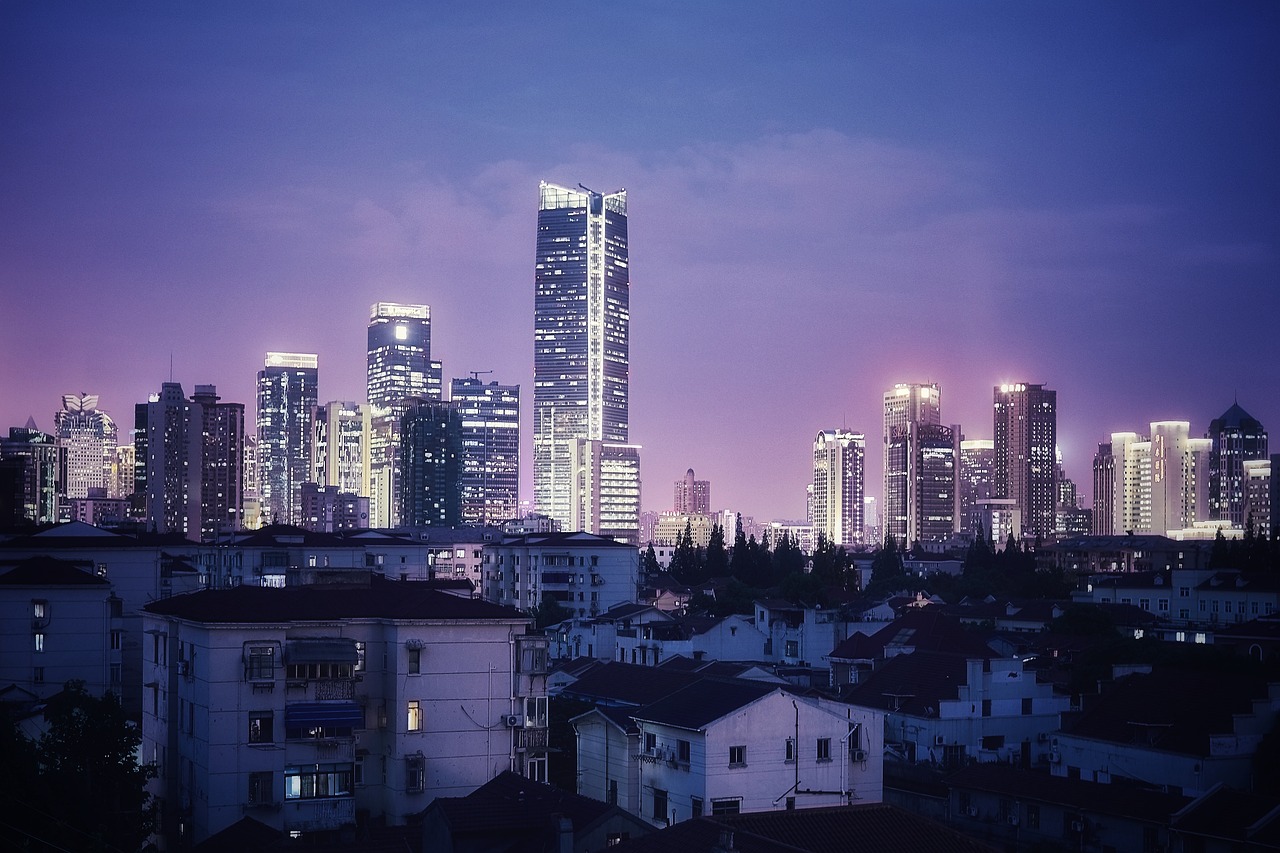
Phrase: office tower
[581,338]
[221,464]
[287,393]
[252,507]
[973,481]
[1026,439]
[1104,485]
[431,460]
[839,471]
[29,464]
[693,496]
[904,404]
[175,443]
[122,471]
[604,489]
[490,450]
[88,439]
[338,447]
[1237,438]
[400,370]
[1150,484]
[922,485]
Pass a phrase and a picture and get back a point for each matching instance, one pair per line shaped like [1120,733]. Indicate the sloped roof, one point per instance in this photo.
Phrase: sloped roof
[911,684]
[381,598]
[1168,709]
[1099,798]
[921,628]
[870,828]
[47,571]
[568,540]
[704,702]
[1224,812]
[628,684]
[1235,418]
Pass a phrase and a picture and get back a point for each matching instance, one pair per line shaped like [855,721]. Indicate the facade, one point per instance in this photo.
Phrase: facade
[490,475]
[904,404]
[692,496]
[973,481]
[1025,465]
[921,483]
[339,448]
[287,394]
[583,572]
[1236,437]
[668,530]
[839,466]
[325,509]
[431,463]
[581,324]
[29,467]
[1151,485]
[604,493]
[1104,485]
[174,428]
[88,439]
[1257,496]
[305,707]
[221,463]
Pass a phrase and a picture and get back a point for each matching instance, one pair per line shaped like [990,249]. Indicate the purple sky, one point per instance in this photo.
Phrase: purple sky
[825,199]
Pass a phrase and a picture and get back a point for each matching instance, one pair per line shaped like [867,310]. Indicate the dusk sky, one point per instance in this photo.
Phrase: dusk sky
[825,199]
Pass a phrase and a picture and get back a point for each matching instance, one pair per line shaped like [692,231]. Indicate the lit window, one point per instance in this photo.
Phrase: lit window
[414,722]
[39,640]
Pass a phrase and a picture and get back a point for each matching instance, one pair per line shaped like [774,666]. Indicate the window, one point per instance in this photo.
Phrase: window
[117,674]
[261,727]
[613,792]
[535,711]
[791,749]
[318,671]
[726,805]
[792,649]
[415,661]
[737,756]
[682,751]
[316,781]
[659,804]
[414,722]
[1026,705]
[37,675]
[1033,816]
[260,788]
[695,806]
[824,749]
[986,707]
[40,610]
[415,774]
[1184,592]
[261,663]
[650,742]
[39,641]
[360,650]
[117,640]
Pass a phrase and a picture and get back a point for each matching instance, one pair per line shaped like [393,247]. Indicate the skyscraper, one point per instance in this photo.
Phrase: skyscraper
[399,371]
[1025,464]
[175,446]
[1237,437]
[904,404]
[839,466]
[287,393]
[221,464]
[29,464]
[922,459]
[973,481]
[430,456]
[581,358]
[1151,484]
[339,447]
[88,438]
[605,489]
[490,450]
[692,496]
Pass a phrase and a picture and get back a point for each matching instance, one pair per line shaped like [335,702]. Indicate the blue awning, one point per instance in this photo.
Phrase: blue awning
[306,714]
[321,650]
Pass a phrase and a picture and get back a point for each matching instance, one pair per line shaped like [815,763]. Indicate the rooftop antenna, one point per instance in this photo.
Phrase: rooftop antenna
[170,365]
[475,374]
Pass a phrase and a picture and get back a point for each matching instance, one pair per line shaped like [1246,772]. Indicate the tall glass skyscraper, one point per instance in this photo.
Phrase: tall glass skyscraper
[1237,437]
[88,436]
[287,395]
[839,458]
[1024,463]
[490,474]
[581,320]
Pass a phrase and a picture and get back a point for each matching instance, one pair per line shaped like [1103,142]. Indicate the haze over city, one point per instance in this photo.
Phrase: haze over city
[823,201]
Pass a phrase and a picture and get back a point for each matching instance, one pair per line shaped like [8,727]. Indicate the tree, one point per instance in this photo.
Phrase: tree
[717,563]
[549,612]
[651,565]
[81,785]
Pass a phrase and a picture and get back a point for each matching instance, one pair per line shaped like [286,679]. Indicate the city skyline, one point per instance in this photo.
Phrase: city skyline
[1083,197]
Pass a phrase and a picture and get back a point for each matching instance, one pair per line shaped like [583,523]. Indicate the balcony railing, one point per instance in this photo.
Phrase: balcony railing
[319,815]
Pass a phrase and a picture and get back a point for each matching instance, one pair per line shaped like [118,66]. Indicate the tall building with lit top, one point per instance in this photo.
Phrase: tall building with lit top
[1237,437]
[399,370]
[973,480]
[581,356]
[839,466]
[1151,484]
[490,460]
[904,404]
[88,438]
[340,446]
[922,462]
[287,394]
[1025,429]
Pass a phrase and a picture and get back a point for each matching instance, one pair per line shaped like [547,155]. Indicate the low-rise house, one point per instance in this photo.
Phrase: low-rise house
[597,636]
[732,637]
[799,634]
[313,708]
[583,572]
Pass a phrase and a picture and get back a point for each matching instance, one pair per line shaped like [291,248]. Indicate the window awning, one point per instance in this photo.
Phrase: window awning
[321,650]
[305,714]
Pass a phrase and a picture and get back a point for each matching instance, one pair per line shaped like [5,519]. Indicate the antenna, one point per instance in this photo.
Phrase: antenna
[475,374]
[170,365]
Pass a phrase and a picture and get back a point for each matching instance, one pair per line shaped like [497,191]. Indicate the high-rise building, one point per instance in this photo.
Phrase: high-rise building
[490,475]
[431,460]
[222,463]
[605,489]
[922,459]
[88,438]
[400,371]
[339,447]
[1104,485]
[1257,496]
[30,461]
[1025,466]
[1237,438]
[1150,484]
[904,404]
[287,395]
[173,426]
[581,357]
[973,481]
[693,496]
[839,485]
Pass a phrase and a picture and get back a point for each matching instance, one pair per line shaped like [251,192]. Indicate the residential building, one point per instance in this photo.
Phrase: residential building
[904,404]
[605,490]
[669,528]
[1025,469]
[921,483]
[340,447]
[839,464]
[174,428]
[490,460]
[1152,485]
[1258,510]
[581,322]
[87,437]
[431,462]
[303,707]
[973,481]
[583,572]
[692,496]
[724,638]
[287,395]
[1236,437]
[325,509]
[30,461]
[221,463]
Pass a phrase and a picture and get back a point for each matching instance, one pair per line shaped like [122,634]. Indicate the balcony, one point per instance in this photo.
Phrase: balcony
[320,750]
[319,815]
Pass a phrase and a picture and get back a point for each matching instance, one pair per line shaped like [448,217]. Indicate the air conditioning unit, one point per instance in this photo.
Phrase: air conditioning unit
[1013,820]
[1055,757]
[939,740]
[858,755]
[1043,737]
[511,721]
